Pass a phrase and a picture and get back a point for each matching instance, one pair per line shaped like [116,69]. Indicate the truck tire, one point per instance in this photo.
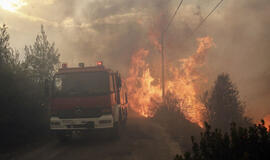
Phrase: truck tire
[115,131]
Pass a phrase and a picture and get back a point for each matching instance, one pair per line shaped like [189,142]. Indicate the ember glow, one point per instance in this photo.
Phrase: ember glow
[185,84]
[12,5]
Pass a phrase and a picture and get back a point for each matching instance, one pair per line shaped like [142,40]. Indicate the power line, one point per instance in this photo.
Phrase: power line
[162,50]
[162,41]
[170,22]
[212,11]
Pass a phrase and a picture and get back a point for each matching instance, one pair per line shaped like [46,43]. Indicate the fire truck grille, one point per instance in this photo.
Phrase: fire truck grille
[80,113]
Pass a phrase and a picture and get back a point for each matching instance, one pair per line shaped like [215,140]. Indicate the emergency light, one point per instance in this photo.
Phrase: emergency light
[99,63]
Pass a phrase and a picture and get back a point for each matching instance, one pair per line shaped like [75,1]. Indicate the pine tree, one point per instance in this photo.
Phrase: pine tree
[4,45]
[224,104]
[8,56]
[22,115]
[41,58]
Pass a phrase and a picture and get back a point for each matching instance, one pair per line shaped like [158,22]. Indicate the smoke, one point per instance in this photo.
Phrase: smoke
[242,37]
[91,30]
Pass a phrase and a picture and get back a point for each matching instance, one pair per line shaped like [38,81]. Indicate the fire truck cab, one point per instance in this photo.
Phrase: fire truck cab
[87,98]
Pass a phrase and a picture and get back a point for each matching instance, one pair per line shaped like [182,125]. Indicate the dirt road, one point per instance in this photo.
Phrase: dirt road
[142,139]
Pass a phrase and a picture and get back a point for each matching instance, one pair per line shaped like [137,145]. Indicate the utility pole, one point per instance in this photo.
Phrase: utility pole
[162,66]
[163,32]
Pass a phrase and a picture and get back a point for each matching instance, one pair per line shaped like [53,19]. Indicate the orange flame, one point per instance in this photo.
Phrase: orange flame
[187,81]
[267,121]
[184,84]
[139,82]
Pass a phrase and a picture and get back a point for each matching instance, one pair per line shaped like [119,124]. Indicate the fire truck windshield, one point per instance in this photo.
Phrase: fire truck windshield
[81,84]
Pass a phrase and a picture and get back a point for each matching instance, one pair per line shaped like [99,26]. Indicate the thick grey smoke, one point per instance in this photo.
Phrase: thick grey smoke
[112,30]
[242,36]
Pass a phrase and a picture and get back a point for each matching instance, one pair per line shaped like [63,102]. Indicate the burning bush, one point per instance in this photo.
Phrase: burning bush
[184,83]
[240,143]
[182,113]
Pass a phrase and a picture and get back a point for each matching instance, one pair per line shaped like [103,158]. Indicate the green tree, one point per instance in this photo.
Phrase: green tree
[22,115]
[4,45]
[224,104]
[41,58]
[8,56]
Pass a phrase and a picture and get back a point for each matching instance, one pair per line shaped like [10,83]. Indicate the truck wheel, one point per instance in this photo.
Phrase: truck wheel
[116,131]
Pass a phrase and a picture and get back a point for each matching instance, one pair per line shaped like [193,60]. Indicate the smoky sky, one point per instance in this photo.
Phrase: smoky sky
[112,30]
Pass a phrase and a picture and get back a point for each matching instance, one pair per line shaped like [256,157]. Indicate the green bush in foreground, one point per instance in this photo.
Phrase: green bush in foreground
[240,143]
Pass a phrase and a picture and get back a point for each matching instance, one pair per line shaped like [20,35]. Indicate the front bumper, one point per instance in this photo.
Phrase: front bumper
[102,122]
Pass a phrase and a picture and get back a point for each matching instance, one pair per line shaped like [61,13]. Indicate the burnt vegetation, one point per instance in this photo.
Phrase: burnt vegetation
[23,111]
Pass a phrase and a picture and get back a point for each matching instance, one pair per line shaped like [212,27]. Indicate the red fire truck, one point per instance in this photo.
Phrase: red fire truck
[87,98]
